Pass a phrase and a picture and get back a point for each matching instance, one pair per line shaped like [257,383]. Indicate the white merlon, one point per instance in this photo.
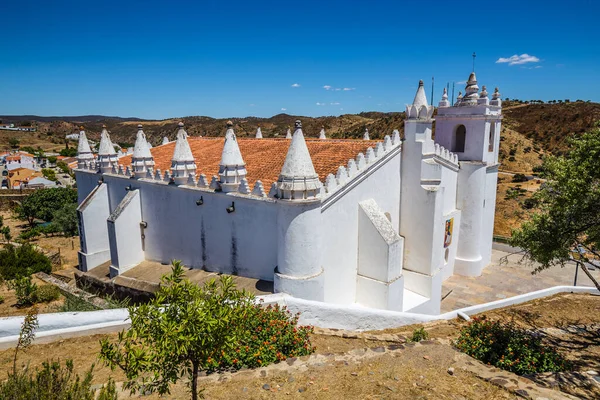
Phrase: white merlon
[202,181]
[165,140]
[273,190]
[387,143]
[366,134]
[330,183]
[232,168]
[259,133]
[84,152]
[370,156]
[396,137]
[342,175]
[182,162]
[142,158]
[243,187]
[107,156]
[214,183]
[288,134]
[361,161]
[259,189]
[322,134]
[298,179]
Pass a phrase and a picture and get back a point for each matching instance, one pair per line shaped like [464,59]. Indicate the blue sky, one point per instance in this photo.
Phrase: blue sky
[161,59]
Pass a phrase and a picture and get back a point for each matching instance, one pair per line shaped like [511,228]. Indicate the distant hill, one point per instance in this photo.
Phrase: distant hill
[529,130]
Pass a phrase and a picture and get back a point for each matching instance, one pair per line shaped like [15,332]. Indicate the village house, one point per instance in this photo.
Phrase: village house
[379,223]
[18,159]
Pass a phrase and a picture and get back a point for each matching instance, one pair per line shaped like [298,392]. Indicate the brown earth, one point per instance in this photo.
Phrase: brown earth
[419,372]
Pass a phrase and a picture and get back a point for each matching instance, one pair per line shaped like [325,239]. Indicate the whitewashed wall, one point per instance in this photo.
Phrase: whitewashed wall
[340,224]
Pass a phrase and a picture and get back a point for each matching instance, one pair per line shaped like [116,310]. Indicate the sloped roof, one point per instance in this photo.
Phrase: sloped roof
[263,157]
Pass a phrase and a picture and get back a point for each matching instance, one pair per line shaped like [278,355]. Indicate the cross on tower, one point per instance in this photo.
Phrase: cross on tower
[474,55]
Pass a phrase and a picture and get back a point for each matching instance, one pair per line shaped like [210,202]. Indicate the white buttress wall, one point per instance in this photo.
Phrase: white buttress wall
[86,182]
[93,234]
[124,234]
[379,182]
[489,208]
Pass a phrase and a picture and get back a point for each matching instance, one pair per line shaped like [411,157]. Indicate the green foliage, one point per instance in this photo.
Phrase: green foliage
[52,159]
[21,261]
[512,158]
[186,329]
[42,203]
[4,230]
[46,294]
[54,382]
[63,167]
[25,290]
[568,219]
[14,142]
[49,174]
[509,348]
[70,152]
[1,299]
[265,335]
[519,178]
[529,203]
[65,219]
[419,334]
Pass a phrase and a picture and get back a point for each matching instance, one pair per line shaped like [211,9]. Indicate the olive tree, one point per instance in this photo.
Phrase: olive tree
[179,333]
[566,229]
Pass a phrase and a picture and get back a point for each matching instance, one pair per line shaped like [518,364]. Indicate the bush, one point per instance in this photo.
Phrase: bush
[53,381]
[1,299]
[511,158]
[49,174]
[519,178]
[24,260]
[512,152]
[419,334]
[530,203]
[266,335]
[25,290]
[508,347]
[46,294]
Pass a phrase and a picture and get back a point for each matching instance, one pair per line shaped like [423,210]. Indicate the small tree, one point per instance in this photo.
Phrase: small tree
[42,203]
[178,333]
[14,143]
[49,174]
[26,335]
[65,219]
[567,227]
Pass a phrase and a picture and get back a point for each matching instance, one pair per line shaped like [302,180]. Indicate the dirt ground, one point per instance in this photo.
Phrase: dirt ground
[68,247]
[510,212]
[419,372]
[9,309]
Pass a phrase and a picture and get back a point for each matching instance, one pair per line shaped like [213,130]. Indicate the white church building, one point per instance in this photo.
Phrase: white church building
[376,223]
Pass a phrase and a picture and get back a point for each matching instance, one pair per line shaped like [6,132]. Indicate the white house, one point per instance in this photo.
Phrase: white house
[18,159]
[377,223]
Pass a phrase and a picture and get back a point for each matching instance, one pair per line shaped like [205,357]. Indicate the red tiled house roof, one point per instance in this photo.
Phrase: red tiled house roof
[263,157]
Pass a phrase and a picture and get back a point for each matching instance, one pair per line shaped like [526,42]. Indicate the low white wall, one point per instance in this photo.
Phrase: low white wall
[325,315]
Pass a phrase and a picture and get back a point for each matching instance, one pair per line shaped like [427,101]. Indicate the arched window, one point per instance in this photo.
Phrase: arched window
[458,142]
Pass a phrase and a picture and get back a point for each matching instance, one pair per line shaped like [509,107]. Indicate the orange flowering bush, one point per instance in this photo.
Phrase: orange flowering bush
[265,335]
[508,347]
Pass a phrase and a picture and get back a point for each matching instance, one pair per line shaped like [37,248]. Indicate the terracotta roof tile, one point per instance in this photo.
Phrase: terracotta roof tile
[263,157]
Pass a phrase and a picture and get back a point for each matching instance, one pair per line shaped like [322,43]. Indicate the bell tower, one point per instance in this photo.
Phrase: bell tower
[471,129]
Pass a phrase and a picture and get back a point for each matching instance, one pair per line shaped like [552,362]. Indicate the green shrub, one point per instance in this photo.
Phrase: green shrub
[53,381]
[419,334]
[65,219]
[30,234]
[46,294]
[530,203]
[1,299]
[21,261]
[508,347]
[519,178]
[511,158]
[266,335]
[25,290]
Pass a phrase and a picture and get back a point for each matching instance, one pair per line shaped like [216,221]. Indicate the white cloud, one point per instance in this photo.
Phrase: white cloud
[335,104]
[296,85]
[252,105]
[283,109]
[518,60]
[461,82]
[327,87]
[320,104]
[347,89]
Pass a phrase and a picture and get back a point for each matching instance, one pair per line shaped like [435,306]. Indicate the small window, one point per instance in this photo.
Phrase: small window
[492,137]
[458,144]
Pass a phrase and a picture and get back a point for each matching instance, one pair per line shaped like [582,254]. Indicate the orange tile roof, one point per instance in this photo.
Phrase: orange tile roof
[263,157]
